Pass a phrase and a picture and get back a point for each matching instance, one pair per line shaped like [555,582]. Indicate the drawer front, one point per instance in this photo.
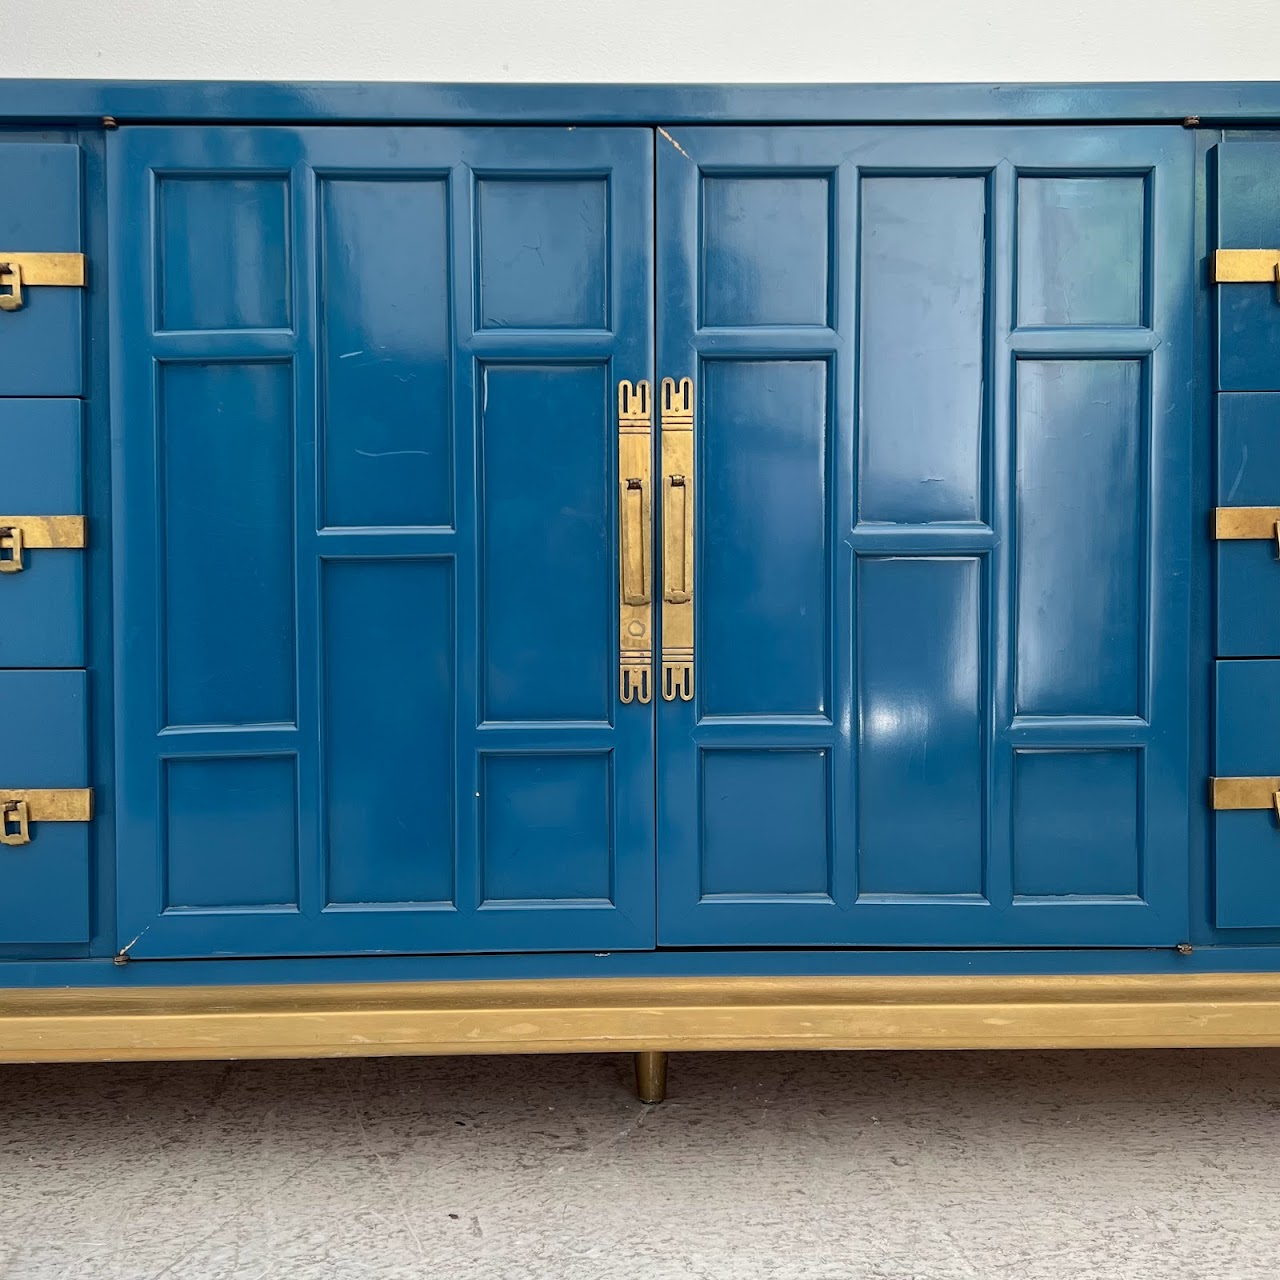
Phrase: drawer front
[1247,840]
[41,342]
[44,882]
[41,573]
[1246,518]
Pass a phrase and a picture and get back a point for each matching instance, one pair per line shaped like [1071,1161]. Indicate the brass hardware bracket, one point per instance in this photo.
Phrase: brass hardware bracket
[15,822]
[19,271]
[678,513]
[19,534]
[19,809]
[1246,793]
[1231,524]
[635,542]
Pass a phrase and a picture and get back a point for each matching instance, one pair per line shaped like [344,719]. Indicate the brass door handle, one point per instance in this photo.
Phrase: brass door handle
[678,522]
[635,542]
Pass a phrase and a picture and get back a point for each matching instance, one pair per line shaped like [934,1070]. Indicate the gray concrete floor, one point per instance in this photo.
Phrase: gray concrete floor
[886,1165]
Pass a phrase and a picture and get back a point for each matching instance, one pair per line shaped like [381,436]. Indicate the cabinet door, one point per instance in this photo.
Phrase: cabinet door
[366,539]
[939,536]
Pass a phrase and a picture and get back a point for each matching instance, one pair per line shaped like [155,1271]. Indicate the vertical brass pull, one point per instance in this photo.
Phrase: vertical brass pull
[636,522]
[679,541]
[678,516]
[635,539]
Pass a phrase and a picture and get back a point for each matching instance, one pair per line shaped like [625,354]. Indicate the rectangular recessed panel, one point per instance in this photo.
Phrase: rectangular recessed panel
[543,248]
[547,827]
[232,833]
[766,255]
[389,730]
[921,710]
[763,583]
[922,348]
[1248,571]
[1077,824]
[1081,250]
[549,568]
[765,818]
[223,252]
[1081,519]
[226,443]
[386,348]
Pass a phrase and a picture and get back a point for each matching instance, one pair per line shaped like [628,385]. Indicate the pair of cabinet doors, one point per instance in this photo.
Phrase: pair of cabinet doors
[369,510]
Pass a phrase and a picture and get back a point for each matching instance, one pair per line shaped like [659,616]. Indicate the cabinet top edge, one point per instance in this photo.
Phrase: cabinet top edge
[49,102]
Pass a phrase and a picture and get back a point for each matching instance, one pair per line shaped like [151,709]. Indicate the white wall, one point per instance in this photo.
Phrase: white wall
[680,40]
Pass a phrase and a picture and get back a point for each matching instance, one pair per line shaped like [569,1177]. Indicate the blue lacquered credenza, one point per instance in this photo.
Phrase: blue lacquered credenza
[530,568]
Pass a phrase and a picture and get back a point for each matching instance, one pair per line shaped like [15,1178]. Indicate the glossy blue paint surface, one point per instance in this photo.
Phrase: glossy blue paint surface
[366,539]
[44,884]
[942,535]
[43,607]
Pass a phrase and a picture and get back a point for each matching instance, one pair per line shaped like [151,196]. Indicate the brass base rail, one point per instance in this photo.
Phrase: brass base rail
[635,1015]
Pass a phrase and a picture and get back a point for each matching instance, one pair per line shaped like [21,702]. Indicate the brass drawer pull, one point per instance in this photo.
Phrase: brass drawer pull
[19,809]
[678,522]
[1234,524]
[635,542]
[1246,793]
[19,534]
[20,271]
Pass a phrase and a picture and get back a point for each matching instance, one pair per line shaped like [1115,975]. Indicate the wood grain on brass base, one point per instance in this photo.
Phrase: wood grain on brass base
[634,1014]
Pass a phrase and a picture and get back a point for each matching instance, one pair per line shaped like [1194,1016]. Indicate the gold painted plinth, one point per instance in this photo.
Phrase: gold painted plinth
[627,1015]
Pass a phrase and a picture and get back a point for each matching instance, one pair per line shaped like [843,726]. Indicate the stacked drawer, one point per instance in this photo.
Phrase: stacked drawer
[45,800]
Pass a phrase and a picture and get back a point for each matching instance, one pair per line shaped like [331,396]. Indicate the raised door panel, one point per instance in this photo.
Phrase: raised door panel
[366,539]
[940,532]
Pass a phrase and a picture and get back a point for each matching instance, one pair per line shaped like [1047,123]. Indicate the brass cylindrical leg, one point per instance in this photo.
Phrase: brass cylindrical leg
[651,1075]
